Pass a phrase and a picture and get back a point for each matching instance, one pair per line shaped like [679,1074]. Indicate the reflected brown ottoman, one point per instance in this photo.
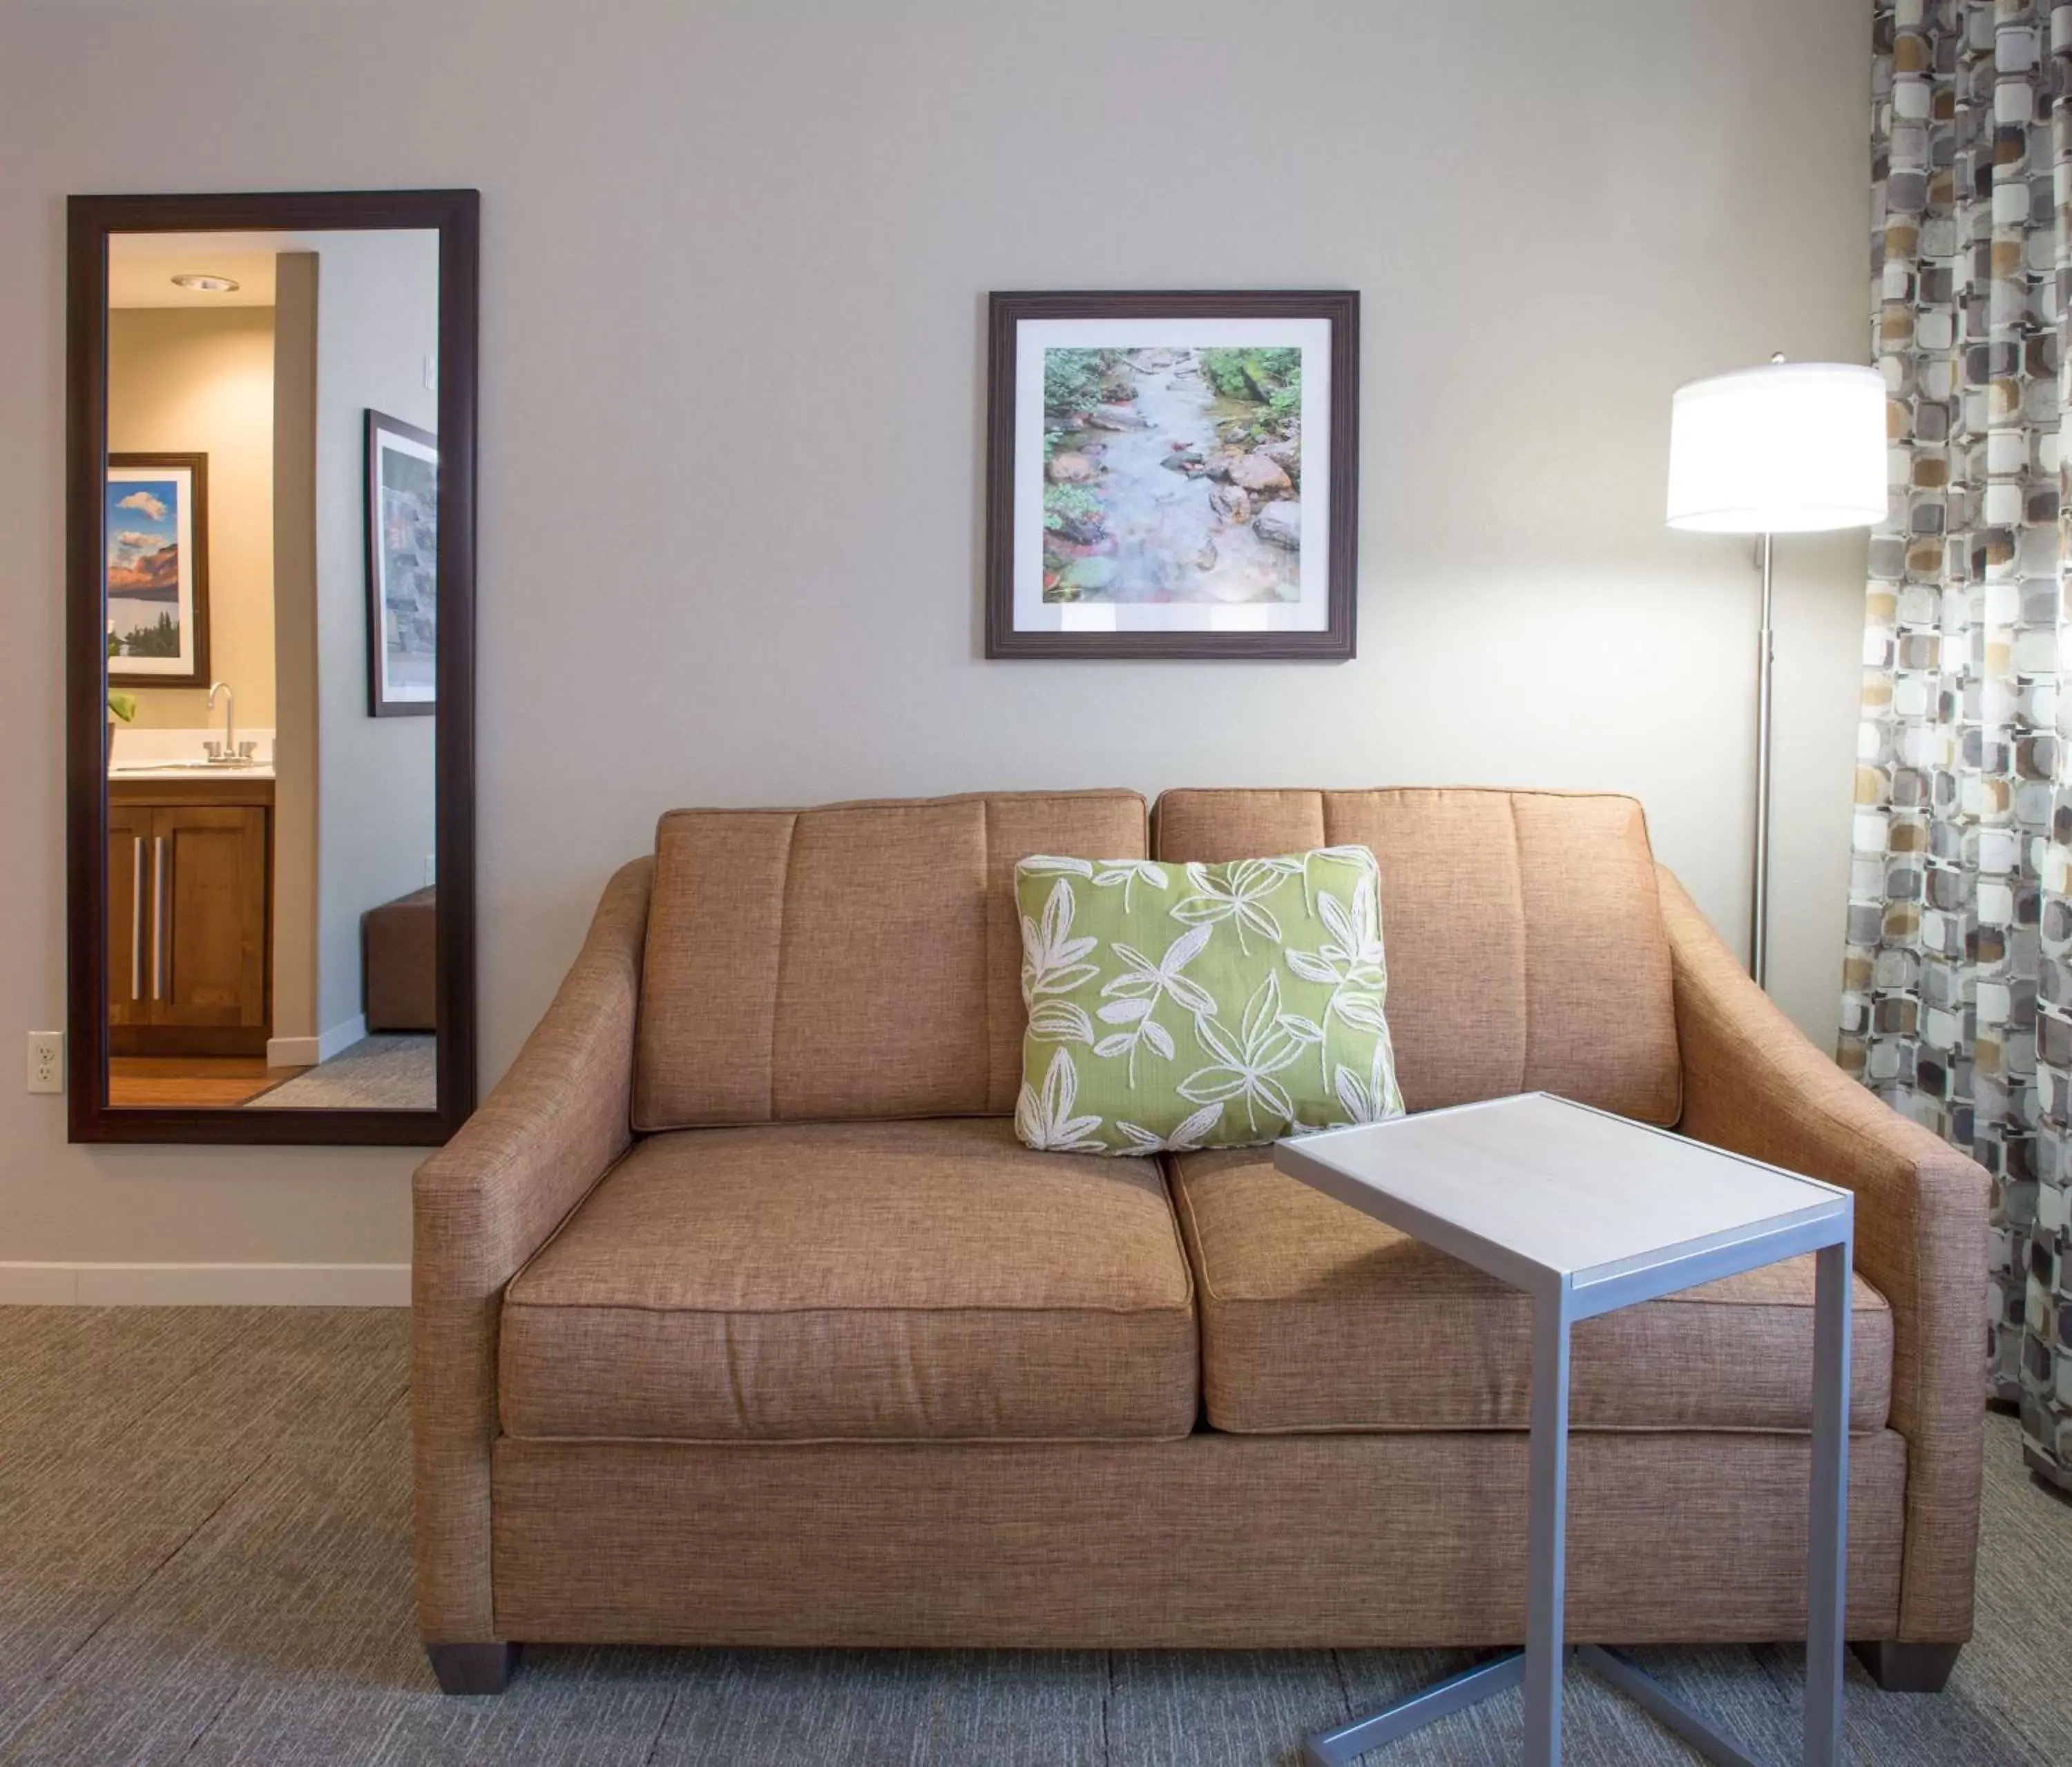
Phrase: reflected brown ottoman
[399,962]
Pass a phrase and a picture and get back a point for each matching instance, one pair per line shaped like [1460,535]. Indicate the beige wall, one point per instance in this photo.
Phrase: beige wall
[733,360]
[187,382]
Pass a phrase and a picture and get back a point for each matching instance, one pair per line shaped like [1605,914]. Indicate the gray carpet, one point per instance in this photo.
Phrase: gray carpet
[205,1557]
[394,1072]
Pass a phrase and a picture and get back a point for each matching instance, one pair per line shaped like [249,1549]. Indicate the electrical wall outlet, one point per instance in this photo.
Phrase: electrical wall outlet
[47,1061]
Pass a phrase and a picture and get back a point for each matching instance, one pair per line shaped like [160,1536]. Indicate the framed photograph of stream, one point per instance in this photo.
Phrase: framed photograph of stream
[402,568]
[1173,474]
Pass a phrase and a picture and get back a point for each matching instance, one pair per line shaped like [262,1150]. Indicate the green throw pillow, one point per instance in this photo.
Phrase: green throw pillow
[1176,1007]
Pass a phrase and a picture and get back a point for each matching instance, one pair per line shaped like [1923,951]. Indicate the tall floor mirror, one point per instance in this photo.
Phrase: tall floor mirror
[270,576]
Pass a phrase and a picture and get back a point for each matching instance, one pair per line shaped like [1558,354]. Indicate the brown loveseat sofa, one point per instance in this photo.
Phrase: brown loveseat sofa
[741,1317]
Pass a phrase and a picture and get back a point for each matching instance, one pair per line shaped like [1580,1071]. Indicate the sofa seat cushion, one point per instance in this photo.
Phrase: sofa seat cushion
[1317,1317]
[897,1281]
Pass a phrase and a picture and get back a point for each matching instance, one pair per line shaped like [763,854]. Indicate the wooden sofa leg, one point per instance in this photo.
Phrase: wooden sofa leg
[473,1668]
[1908,1668]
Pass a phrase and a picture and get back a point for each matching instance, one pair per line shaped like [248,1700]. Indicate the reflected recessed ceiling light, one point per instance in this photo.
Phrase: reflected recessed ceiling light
[207,284]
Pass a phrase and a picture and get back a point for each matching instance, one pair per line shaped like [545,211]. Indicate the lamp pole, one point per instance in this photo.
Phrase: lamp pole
[1759,883]
[1789,447]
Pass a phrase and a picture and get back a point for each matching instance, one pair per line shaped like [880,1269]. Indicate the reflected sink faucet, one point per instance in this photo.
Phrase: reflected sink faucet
[229,718]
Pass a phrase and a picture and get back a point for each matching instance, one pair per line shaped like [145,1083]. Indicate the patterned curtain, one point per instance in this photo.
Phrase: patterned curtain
[1957,1002]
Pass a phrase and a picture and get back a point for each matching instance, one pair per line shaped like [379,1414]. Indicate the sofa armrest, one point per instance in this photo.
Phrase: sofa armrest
[1754,1084]
[482,1206]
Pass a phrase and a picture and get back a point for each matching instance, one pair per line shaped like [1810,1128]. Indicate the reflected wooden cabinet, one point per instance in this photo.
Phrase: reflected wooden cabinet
[190,883]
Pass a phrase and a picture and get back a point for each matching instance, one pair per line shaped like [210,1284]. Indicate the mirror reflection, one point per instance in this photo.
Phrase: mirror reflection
[270,515]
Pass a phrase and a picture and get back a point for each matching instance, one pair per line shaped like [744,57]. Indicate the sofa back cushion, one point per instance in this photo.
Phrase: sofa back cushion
[854,960]
[1524,938]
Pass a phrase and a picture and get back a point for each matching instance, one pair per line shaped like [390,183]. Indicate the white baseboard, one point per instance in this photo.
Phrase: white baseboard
[342,1037]
[204,1285]
[308,1051]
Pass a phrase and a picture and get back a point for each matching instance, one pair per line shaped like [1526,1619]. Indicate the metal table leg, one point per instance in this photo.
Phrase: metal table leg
[1545,1542]
[1827,1517]
[1646,1692]
[1334,1748]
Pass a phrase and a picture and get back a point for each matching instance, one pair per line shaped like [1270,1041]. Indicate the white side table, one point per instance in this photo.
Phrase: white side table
[1588,1213]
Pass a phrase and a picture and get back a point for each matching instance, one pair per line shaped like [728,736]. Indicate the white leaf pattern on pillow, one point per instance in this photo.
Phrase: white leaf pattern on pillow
[1047,1123]
[1060,1021]
[1237,896]
[1186,1136]
[1051,958]
[1124,1012]
[1126,873]
[1362,1011]
[1132,996]
[1245,1065]
[1373,1099]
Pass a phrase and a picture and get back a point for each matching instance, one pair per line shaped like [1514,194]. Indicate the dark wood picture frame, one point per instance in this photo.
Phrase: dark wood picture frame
[195,466]
[379,704]
[1335,643]
[454,215]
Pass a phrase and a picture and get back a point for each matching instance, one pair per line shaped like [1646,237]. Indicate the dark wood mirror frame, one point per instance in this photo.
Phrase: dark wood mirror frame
[454,215]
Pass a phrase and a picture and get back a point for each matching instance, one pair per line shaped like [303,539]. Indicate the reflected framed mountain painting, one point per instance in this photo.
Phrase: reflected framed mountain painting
[402,568]
[1173,474]
[155,529]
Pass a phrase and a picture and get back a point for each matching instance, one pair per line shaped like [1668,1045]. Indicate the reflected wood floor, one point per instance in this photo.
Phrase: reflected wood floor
[205,1557]
[194,1082]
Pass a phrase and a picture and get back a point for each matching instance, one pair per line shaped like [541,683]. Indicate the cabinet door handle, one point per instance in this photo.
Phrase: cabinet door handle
[136,916]
[157,914]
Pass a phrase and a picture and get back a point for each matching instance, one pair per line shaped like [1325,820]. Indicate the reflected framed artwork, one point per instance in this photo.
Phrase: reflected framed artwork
[1173,474]
[154,532]
[402,568]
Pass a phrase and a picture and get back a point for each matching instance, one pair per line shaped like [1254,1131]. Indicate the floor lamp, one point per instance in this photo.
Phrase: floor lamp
[1790,447]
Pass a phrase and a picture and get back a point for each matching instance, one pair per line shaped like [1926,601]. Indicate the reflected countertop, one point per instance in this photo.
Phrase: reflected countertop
[146,773]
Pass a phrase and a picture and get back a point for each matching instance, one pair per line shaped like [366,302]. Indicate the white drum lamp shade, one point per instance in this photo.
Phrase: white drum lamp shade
[1790,447]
